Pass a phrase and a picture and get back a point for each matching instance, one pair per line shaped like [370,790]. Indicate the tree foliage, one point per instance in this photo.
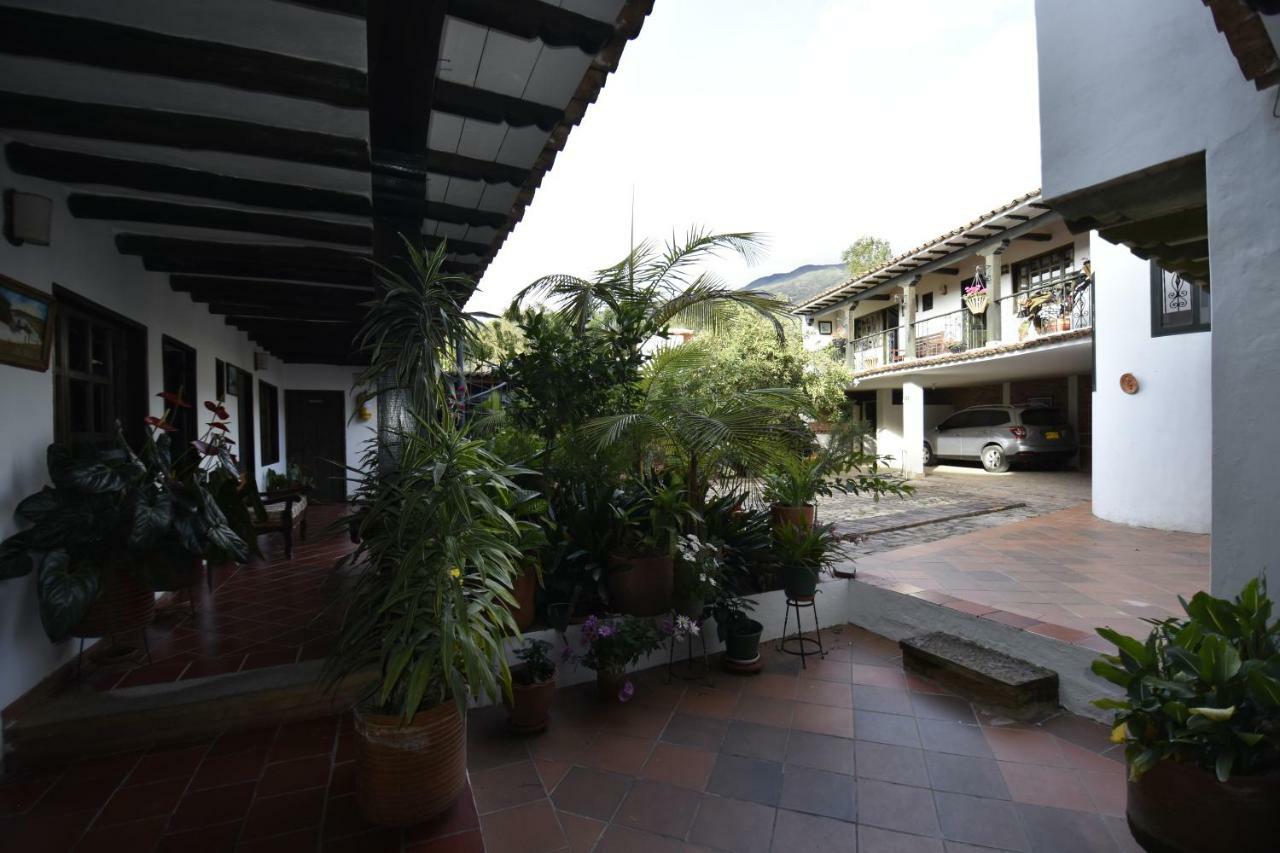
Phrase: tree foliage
[866,253]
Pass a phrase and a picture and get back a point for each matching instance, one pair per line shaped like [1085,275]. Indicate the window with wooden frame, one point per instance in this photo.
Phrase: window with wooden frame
[269,422]
[100,375]
[178,371]
[1178,305]
[1043,269]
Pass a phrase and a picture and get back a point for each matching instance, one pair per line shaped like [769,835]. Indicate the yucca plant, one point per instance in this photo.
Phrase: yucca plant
[1204,690]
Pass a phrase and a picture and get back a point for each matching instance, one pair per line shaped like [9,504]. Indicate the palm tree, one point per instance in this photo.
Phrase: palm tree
[736,435]
[661,286]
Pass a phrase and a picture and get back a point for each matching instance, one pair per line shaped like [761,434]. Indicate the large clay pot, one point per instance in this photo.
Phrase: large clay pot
[1179,808]
[641,586]
[526,588]
[124,604]
[407,774]
[531,704]
[796,516]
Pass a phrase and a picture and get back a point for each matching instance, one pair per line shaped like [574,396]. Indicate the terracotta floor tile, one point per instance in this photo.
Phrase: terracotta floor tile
[44,833]
[886,700]
[173,763]
[503,787]
[617,753]
[702,732]
[1108,791]
[658,808]
[21,793]
[708,702]
[1026,747]
[878,676]
[581,832]
[885,728]
[824,752]
[962,774]
[620,839]
[897,807]
[765,710]
[217,838]
[795,831]
[816,692]
[933,706]
[591,793]
[953,737]
[302,841]
[751,740]
[215,805]
[890,763]
[735,825]
[298,774]
[216,771]
[1046,786]
[551,772]
[1051,830]
[683,766]
[823,720]
[530,828]
[284,813]
[138,835]
[828,670]
[820,792]
[140,801]
[771,685]
[976,820]
[746,779]
[872,839]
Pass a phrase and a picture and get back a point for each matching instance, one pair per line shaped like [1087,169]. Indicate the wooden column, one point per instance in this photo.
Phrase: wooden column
[991,269]
[909,318]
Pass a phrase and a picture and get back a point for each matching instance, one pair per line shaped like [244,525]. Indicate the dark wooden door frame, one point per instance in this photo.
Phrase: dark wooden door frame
[330,479]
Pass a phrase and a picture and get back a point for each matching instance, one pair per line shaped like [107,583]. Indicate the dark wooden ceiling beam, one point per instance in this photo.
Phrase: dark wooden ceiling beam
[269,293]
[125,209]
[284,312]
[208,133]
[1035,236]
[1170,229]
[947,271]
[26,32]
[527,18]
[71,167]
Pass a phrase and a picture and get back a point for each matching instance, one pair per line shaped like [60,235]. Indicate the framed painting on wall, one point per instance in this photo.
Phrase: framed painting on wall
[26,325]
[233,380]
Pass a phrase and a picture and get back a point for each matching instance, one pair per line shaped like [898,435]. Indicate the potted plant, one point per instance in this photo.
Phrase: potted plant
[738,631]
[116,525]
[646,524]
[1201,725]
[697,577]
[533,687]
[437,557]
[527,506]
[976,297]
[612,645]
[802,554]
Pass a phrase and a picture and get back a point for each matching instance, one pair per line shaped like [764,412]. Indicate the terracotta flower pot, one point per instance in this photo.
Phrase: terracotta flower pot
[1179,808]
[641,586]
[526,588]
[407,774]
[796,516]
[124,604]
[531,704]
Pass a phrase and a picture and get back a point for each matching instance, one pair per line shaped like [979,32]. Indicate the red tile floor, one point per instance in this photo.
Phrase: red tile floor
[269,612]
[850,754]
[1059,574]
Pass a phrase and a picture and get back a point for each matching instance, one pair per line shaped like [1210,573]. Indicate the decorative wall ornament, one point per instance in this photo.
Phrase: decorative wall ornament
[1129,384]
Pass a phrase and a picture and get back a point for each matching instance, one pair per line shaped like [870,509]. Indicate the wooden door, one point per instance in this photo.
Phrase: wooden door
[246,422]
[316,440]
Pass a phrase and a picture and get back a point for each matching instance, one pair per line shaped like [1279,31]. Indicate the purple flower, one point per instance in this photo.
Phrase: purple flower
[605,632]
[566,654]
[628,690]
[666,626]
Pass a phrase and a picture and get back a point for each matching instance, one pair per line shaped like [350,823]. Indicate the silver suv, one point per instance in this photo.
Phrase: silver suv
[997,436]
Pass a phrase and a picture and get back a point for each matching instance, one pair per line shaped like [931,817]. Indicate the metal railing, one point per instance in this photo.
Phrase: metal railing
[1062,305]
[954,331]
[874,350]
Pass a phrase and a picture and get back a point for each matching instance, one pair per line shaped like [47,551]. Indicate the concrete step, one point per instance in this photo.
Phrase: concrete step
[76,725]
[984,676]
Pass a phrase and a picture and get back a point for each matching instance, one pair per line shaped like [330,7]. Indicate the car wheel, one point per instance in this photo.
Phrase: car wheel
[929,459]
[994,460]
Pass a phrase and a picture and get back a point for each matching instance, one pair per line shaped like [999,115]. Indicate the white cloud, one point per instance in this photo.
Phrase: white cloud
[812,121]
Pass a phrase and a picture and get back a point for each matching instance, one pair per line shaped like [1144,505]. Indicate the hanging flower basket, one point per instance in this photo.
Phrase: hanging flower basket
[977,301]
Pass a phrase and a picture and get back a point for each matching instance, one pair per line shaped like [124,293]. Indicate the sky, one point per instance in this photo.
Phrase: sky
[811,121]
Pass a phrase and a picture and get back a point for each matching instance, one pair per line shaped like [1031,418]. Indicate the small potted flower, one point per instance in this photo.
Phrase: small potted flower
[611,646]
[698,575]
[739,633]
[803,554]
[533,687]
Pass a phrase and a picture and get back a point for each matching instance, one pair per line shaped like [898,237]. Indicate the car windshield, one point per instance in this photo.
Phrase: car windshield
[1043,417]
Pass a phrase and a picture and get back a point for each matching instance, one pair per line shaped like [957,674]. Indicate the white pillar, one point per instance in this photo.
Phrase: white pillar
[848,336]
[909,315]
[1006,393]
[912,428]
[991,269]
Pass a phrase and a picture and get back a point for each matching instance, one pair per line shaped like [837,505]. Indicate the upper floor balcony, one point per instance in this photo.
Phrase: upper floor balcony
[1064,304]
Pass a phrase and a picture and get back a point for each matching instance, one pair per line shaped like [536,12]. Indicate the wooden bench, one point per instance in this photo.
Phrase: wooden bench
[281,512]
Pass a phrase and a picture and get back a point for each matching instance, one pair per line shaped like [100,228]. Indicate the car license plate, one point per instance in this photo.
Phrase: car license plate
[1052,435]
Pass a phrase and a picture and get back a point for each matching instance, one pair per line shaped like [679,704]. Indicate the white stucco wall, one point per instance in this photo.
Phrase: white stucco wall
[83,259]
[1152,451]
[1125,86]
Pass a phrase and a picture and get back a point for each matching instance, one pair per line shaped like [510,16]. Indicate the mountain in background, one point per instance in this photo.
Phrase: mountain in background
[801,283]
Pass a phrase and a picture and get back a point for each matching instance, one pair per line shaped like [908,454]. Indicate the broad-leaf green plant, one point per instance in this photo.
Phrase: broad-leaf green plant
[1204,690]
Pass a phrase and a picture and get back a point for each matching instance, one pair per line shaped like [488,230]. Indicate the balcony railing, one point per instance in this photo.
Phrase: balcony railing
[1062,305]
